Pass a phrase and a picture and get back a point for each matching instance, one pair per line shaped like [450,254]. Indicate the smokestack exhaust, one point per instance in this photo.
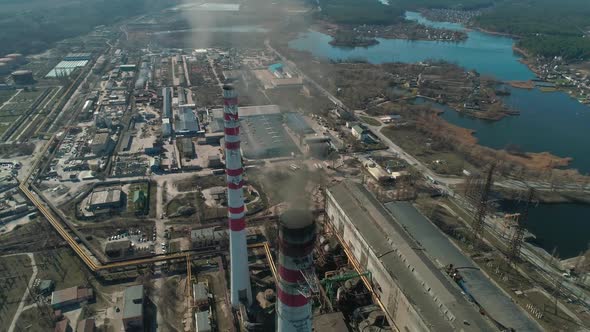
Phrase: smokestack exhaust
[241,291]
[297,235]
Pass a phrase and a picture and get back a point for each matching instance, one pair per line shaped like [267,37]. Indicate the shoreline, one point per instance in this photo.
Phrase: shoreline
[387,32]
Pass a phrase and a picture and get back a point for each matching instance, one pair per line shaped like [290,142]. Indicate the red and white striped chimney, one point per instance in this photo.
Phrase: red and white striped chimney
[296,242]
[240,275]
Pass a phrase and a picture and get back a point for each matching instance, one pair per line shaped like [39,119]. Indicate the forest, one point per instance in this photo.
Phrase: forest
[371,12]
[546,27]
[33,26]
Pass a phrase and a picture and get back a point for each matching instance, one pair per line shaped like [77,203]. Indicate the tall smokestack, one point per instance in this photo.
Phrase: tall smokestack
[296,241]
[240,276]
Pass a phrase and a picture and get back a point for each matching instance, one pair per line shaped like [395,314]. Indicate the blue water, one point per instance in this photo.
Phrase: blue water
[563,227]
[548,122]
[488,54]
[551,122]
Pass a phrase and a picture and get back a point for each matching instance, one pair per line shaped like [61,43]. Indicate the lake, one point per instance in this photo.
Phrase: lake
[551,122]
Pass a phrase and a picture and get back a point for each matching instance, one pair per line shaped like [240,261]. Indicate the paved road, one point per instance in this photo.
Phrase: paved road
[21,305]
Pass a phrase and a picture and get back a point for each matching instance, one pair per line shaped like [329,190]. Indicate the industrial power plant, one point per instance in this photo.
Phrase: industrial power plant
[291,166]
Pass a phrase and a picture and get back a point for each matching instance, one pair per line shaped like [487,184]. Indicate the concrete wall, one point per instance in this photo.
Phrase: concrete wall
[400,312]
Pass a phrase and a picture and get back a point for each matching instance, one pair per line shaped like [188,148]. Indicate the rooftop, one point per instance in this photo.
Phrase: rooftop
[261,132]
[70,294]
[437,245]
[166,102]
[133,298]
[110,195]
[297,123]
[118,245]
[426,287]
[200,292]
[187,121]
[202,321]
[101,138]
[65,68]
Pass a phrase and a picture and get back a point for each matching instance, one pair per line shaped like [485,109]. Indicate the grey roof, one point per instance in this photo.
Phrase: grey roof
[106,196]
[202,321]
[426,287]
[166,102]
[261,132]
[118,245]
[200,292]
[187,121]
[263,136]
[133,298]
[498,305]
[297,123]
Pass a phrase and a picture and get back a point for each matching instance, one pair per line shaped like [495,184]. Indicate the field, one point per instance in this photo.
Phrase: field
[427,151]
[184,200]
[63,267]
[15,272]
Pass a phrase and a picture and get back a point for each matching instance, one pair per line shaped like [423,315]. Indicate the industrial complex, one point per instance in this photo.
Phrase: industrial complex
[147,185]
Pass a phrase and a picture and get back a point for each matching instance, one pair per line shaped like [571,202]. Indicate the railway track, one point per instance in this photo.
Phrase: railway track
[7,136]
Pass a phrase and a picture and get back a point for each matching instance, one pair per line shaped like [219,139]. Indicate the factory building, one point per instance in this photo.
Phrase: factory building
[262,131]
[166,103]
[203,321]
[108,198]
[186,123]
[133,308]
[78,57]
[278,76]
[186,147]
[66,67]
[117,249]
[23,77]
[415,294]
[296,122]
[166,127]
[101,144]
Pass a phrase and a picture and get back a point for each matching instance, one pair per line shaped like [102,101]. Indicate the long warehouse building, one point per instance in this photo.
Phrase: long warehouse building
[415,293]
